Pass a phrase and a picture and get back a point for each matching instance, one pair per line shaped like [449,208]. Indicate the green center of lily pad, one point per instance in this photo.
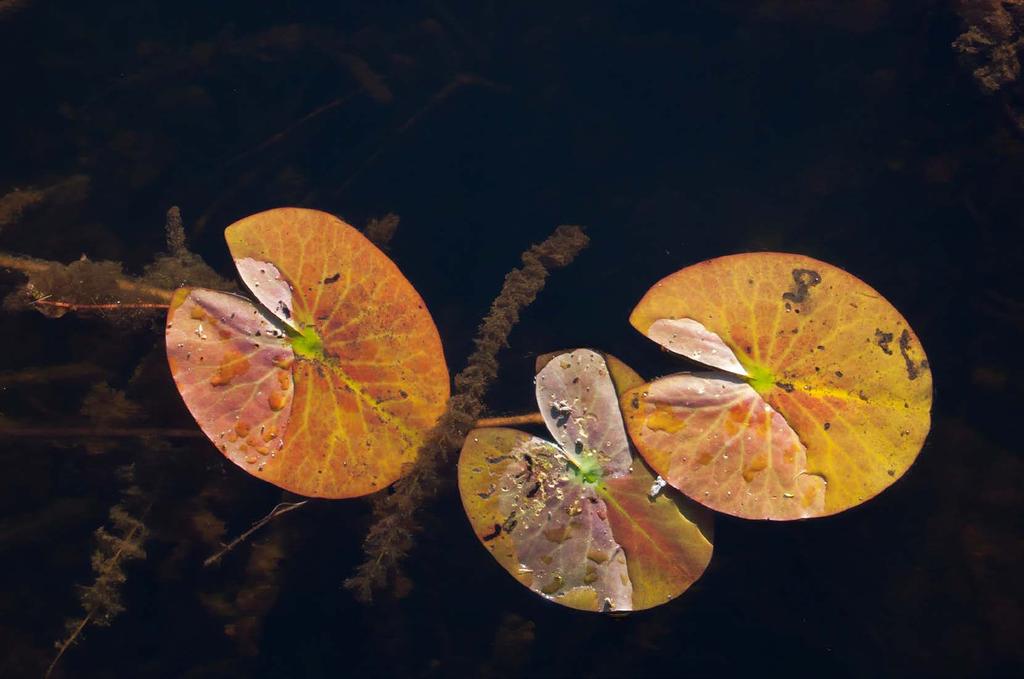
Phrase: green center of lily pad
[307,344]
[759,377]
[585,466]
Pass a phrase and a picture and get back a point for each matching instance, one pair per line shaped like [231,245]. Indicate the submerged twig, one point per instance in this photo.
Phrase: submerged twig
[243,604]
[114,306]
[282,135]
[98,432]
[509,420]
[391,535]
[47,374]
[279,510]
[455,84]
[101,600]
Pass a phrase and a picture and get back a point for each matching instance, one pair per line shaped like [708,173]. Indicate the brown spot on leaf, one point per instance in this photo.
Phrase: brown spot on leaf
[882,339]
[803,281]
[913,369]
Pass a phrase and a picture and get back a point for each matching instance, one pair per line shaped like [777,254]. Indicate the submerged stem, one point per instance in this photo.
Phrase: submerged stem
[116,306]
[66,644]
[509,420]
[281,509]
[124,284]
[97,432]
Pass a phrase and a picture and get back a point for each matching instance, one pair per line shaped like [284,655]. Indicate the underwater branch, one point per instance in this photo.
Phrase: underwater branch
[103,287]
[509,420]
[280,509]
[123,541]
[125,284]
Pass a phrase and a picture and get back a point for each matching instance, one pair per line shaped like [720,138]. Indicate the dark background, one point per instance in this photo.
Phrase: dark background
[848,131]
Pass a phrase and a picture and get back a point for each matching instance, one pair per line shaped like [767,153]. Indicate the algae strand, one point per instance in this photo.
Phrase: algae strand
[122,541]
[391,535]
[381,230]
[102,287]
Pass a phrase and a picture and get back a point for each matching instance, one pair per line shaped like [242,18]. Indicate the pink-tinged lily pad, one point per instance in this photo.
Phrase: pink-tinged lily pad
[582,522]
[825,399]
[327,384]
[716,439]
[234,366]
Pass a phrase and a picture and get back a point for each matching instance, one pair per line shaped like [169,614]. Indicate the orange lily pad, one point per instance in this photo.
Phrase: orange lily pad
[823,401]
[581,520]
[326,385]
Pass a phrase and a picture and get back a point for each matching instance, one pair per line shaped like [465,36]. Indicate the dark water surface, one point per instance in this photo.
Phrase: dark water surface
[845,131]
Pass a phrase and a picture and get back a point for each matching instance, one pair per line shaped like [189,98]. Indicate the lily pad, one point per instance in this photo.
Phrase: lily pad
[582,521]
[326,385]
[824,401]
